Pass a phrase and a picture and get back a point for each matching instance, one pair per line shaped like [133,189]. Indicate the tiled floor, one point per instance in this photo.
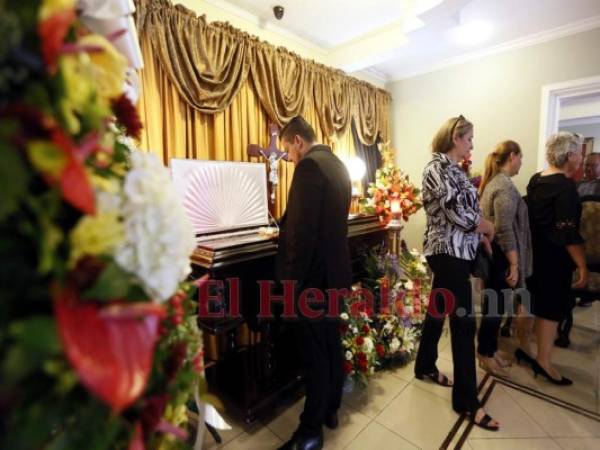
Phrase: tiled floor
[397,411]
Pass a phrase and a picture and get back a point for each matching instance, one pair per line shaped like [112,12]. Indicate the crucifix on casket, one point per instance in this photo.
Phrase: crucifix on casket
[271,154]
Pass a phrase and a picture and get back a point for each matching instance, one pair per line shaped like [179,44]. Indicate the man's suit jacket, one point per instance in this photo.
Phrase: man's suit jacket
[313,238]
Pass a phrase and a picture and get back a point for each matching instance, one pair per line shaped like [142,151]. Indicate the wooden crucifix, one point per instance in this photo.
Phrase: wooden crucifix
[271,154]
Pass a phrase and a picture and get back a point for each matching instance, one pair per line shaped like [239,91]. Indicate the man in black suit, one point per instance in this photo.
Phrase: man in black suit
[313,251]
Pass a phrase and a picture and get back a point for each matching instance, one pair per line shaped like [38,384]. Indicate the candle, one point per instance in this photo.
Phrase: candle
[395,206]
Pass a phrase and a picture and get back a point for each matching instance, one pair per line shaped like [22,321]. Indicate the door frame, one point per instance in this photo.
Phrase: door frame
[552,96]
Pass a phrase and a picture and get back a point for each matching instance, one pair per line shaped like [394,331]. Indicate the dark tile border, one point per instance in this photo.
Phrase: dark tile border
[518,387]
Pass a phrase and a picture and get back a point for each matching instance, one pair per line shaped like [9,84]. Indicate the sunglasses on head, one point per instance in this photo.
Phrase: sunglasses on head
[458,119]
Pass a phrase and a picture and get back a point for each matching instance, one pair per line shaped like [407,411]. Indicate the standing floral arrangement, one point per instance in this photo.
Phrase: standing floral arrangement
[391,184]
[358,341]
[99,347]
[402,286]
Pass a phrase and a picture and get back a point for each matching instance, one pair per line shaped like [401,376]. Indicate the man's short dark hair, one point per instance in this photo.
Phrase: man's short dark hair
[298,126]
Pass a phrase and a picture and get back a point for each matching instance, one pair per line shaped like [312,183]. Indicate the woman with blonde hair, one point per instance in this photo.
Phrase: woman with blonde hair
[554,215]
[455,228]
[502,204]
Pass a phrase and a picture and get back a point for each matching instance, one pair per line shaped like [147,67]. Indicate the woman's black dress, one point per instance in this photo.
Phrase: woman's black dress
[554,215]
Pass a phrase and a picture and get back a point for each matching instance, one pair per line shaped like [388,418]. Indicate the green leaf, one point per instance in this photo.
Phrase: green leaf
[52,236]
[14,178]
[112,283]
[35,341]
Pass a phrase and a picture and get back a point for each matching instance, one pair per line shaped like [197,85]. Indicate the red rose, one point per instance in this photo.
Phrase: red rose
[343,328]
[360,356]
[360,340]
[365,328]
[127,116]
[380,350]
[362,366]
[347,367]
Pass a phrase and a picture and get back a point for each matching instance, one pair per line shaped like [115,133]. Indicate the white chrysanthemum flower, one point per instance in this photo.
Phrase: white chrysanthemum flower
[348,355]
[344,316]
[159,238]
[394,345]
[368,345]
[409,285]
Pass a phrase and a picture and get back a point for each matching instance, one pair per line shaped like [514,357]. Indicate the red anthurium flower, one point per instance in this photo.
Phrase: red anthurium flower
[52,32]
[74,183]
[110,347]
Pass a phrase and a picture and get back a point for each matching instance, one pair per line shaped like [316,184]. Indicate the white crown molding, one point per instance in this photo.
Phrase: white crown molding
[527,41]
[374,73]
[591,120]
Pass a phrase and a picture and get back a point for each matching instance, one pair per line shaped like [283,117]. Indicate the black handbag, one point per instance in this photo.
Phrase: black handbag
[490,268]
[481,267]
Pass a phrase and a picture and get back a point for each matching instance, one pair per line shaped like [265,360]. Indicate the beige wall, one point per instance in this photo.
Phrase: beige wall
[246,23]
[500,94]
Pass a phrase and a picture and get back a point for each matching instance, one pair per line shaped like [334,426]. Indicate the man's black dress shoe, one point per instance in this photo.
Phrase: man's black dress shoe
[304,442]
[332,421]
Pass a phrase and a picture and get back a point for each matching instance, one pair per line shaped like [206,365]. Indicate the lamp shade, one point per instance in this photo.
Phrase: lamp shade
[356,168]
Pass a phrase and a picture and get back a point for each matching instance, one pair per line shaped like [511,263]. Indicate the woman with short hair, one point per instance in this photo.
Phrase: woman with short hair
[554,215]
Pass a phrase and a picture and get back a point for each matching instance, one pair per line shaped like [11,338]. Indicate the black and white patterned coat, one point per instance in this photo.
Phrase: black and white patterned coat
[452,210]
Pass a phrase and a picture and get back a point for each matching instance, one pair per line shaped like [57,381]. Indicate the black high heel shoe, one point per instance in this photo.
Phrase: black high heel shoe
[522,355]
[537,369]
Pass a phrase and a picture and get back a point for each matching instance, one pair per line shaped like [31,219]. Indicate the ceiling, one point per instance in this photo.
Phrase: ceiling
[394,39]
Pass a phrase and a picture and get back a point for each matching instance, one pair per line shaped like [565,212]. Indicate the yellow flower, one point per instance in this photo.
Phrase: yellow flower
[110,185]
[78,84]
[46,157]
[95,235]
[50,7]
[109,66]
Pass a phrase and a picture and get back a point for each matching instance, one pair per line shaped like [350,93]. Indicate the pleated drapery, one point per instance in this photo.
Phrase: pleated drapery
[209,63]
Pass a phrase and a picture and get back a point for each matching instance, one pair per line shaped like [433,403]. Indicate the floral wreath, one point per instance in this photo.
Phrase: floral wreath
[101,348]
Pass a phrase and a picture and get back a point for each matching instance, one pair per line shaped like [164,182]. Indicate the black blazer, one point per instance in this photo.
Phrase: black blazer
[313,237]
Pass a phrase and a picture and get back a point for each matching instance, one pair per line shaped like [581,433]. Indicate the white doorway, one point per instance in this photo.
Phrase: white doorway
[556,95]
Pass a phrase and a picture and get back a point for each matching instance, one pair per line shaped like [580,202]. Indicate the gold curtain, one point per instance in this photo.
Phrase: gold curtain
[174,129]
[209,64]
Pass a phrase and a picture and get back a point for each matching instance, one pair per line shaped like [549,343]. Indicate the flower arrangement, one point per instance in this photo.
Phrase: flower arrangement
[358,341]
[99,346]
[391,185]
[402,283]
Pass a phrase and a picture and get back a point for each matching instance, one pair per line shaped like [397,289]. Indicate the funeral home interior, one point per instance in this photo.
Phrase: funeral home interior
[300,224]
[519,70]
